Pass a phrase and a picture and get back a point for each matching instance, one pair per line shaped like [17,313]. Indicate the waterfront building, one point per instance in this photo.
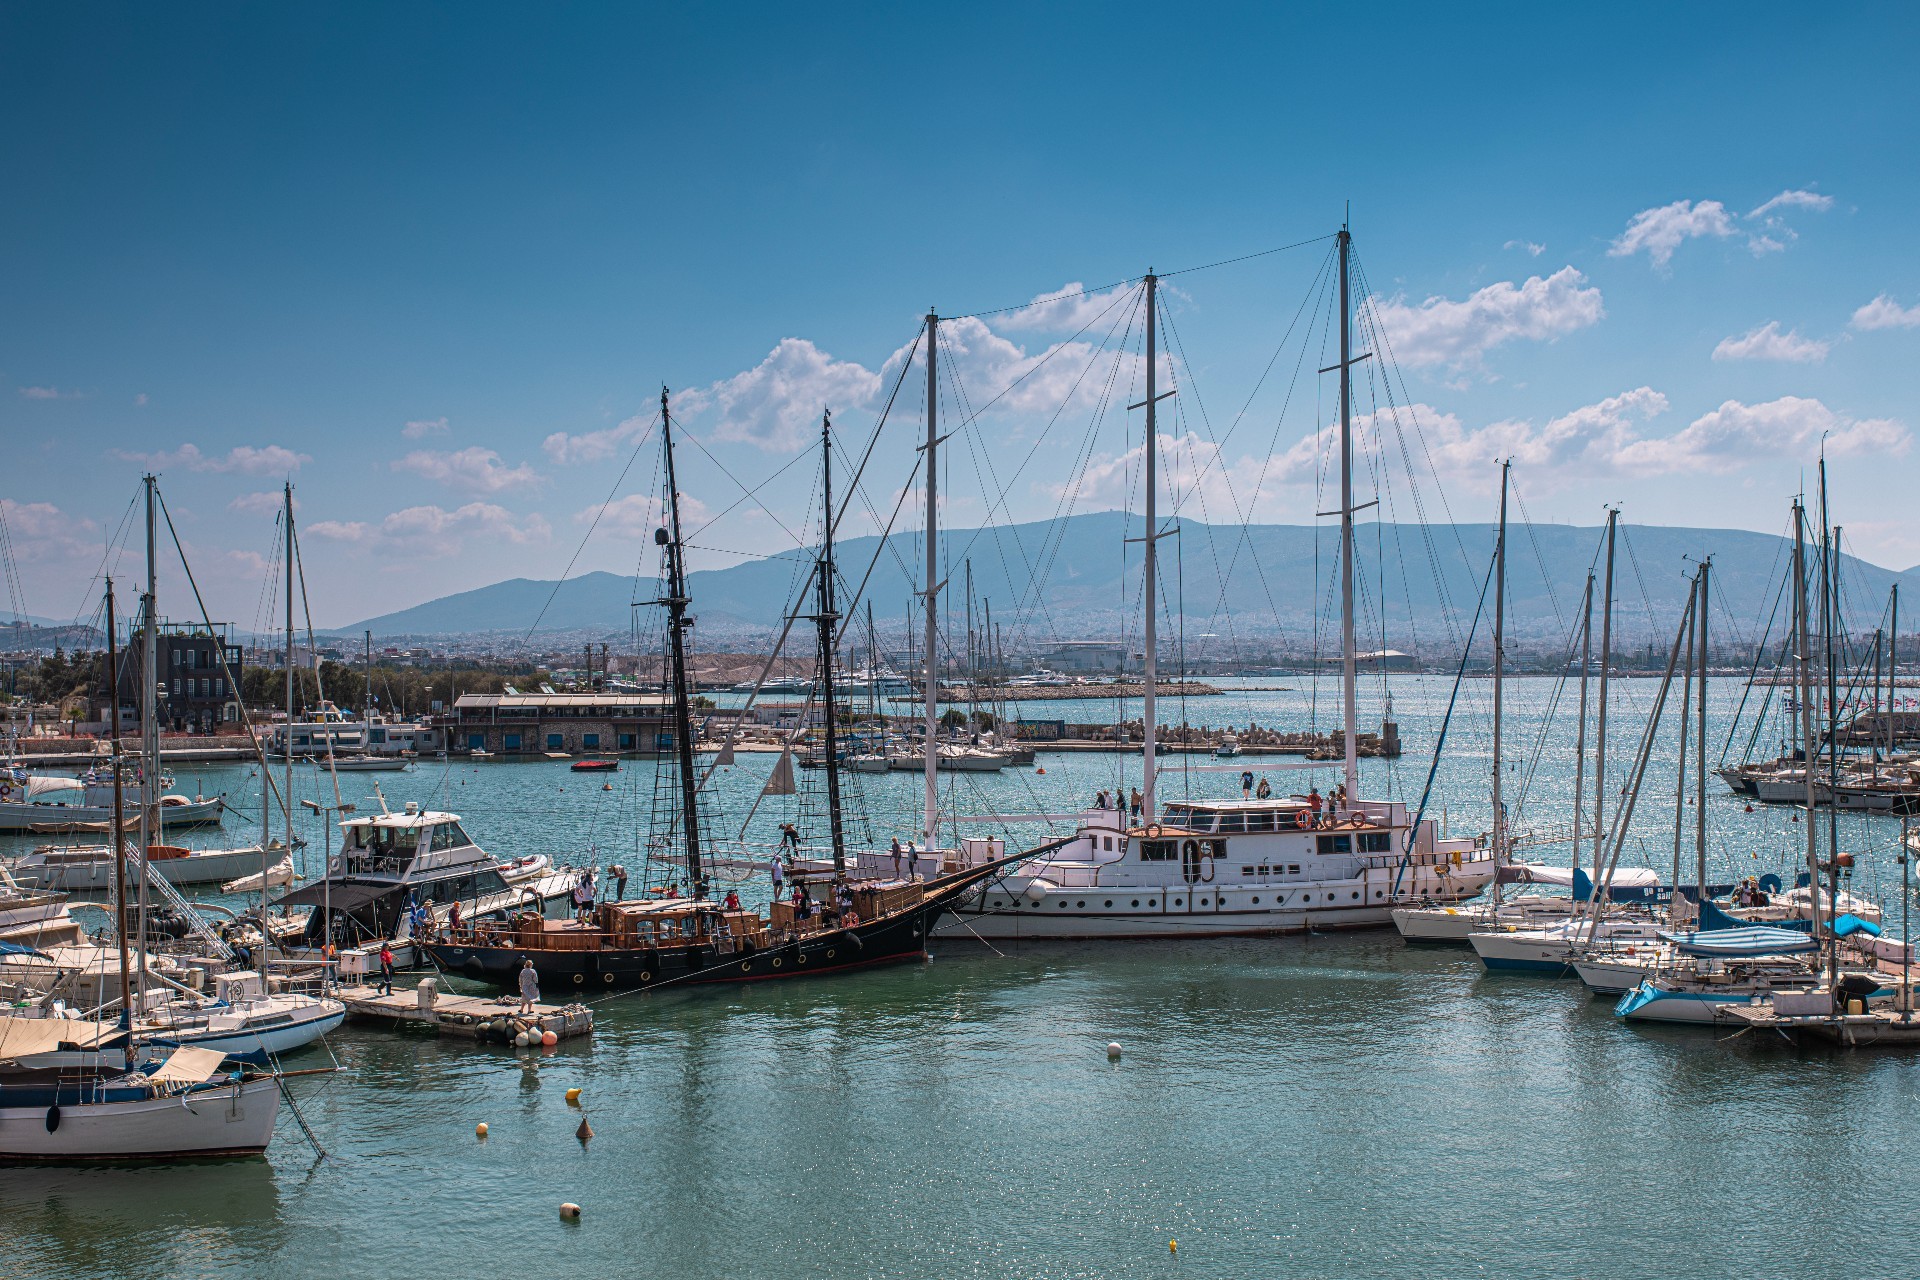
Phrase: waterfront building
[530,723]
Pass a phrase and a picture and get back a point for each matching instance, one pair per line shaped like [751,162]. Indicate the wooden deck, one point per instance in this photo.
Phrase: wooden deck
[426,1006]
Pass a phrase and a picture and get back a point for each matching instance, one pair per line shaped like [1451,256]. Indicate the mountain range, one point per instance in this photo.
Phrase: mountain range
[1080,577]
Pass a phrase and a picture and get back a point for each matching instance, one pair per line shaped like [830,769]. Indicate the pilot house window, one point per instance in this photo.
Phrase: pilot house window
[1159,850]
[1336,844]
[1376,842]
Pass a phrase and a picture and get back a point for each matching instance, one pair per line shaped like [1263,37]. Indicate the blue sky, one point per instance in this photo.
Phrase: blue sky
[1652,253]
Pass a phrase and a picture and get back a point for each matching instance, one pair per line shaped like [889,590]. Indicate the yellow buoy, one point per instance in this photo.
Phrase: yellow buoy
[480,1130]
[573,1097]
[570,1211]
[1173,1246]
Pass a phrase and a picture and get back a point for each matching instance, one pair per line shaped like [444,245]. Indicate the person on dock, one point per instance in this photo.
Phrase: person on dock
[1246,784]
[386,969]
[529,987]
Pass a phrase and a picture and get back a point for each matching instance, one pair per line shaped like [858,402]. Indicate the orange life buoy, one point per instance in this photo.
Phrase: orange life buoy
[1303,820]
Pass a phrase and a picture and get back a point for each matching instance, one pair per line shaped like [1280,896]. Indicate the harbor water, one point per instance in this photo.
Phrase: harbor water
[1328,1105]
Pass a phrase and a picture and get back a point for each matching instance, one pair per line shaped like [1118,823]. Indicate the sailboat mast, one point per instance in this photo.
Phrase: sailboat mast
[1893,664]
[1804,645]
[826,622]
[1348,675]
[149,732]
[1149,715]
[1600,714]
[118,824]
[1828,552]
[286,797]
[1580,741]
[1700,738]
[929,828]
[678,623]
[1686,715]
[1499,677]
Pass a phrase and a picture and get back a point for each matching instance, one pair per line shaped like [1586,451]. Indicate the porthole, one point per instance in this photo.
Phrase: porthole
[1078,905]
[829,953]
[1306,897]
[1109,901]
[1378,894]
[608,978]
[776,962]
[1136,902]
[1176,902]
[745,967]
[646,975]
[1256,899]
[579,978]
[1356,897]
[1153,902]
[801,958]
[1063,904]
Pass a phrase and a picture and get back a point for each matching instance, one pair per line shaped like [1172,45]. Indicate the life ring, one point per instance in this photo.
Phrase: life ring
[1303,820]
[1153,831]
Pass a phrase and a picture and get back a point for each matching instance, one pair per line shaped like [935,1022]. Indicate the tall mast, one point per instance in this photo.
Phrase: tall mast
[826,621]
[286,796]
[1600,715]
[1804,647]
[929,828]
[1893,664]
[1499,674]
[366,708]
[678,624]
[1828,552]
[118,824]
[149,731]
[1700,740]
[1580,742]
[1348,675]
[1686,716]
[1149,716]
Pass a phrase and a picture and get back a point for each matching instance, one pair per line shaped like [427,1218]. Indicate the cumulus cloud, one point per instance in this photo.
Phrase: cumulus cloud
[435,531]
[1068,307]
[259,504]
[473,470]
[596,446]
[1443,331]
[1884,313]
[245,459]
[636,516]
[421,428]
[1768,343]
[777,403]
[42,531]
[1000,376]
[50,393]
[1533,250]
[1735,434]
[1658,232]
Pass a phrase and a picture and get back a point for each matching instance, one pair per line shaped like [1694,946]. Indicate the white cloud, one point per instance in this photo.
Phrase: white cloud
[1533,250]
[1001,376]
[50,393]
[140,399]
[777,403]
[41,531]
[421,428]
[1768,343]
[245,459]
[1736,434]
[1068,307]
[1884,313]
[1660,231]
[636,516]
[473,470]
[435,531]
[260,504]
[1442,331]
[596,446]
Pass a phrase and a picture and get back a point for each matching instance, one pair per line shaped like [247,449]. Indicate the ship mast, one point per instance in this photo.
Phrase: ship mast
[825,620]
[118,824]
[1149,718]
[1499,678]
[1349,675]
[149,732]
[678,624]
[930,827]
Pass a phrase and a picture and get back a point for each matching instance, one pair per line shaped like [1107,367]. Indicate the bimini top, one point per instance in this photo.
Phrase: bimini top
[411,820]
[1741,943]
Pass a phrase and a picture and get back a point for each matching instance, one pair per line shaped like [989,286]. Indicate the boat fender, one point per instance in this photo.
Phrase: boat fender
[548,1039]
[53,1118]
[1113,1051]
[854,938]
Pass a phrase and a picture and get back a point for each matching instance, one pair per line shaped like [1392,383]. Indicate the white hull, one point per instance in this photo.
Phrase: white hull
[204,866]
[1615,977]
[228,1120]
[276,1025]
[16,817]
[1553,950]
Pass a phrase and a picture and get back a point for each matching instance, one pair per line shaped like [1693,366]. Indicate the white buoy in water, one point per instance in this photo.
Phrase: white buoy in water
[1113,1051]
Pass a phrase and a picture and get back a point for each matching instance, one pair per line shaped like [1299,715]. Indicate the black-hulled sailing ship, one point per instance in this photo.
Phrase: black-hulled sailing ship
[840,920]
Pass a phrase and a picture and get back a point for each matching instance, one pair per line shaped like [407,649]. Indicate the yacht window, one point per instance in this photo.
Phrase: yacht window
[1293,868]
[1176,815]
[1215,849]
[457,837]
[1376,842]
[1336,844]
[1159,850]
[1200,822]
[1233,823]
[1246,871]
[1262,821]
[1109,844]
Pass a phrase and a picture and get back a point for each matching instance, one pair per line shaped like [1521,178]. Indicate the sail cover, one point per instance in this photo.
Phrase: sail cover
[189,1064]
[1731,943]
[41,785]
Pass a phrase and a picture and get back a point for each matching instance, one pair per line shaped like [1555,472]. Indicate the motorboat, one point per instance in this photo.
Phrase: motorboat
[598,764]
[45,803]
[1552,949]
[398,869]
[243,1020]
[1423,922]
[83,868]
[1227,867]
[362,763]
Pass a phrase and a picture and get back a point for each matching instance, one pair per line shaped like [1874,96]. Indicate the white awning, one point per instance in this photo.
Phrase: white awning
[25,1037]
[40,785]
[189,1065]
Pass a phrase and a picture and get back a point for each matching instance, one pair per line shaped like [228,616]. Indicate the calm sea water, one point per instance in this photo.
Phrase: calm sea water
[1328,1105]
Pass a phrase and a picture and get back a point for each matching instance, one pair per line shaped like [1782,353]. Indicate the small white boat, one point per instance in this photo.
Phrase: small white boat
[363,764]
[1553,948]
[280,873]
[244,1022]
[74,868]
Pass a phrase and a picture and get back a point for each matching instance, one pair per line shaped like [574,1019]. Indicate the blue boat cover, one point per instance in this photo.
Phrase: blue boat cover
[1712,918]
[1850,924]
[1642,887]
[1755,940]
[17,949]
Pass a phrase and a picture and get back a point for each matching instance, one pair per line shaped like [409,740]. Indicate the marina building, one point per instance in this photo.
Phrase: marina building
[194,693]
[530,723]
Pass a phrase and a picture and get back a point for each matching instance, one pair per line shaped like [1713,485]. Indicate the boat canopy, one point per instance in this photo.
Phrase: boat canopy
[40,785]
[1629,884]
[1849,924]
[24,1037]
[344,897]
[189,1064]
[1732,943]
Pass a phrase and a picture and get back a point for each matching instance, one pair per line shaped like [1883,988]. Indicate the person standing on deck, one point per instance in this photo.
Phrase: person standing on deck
[1263,791]
[529,987]
[896,857]
[386,969]
[1246,784]
[778,876]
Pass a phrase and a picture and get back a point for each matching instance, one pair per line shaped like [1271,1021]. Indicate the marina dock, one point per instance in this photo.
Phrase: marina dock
[426,1005]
